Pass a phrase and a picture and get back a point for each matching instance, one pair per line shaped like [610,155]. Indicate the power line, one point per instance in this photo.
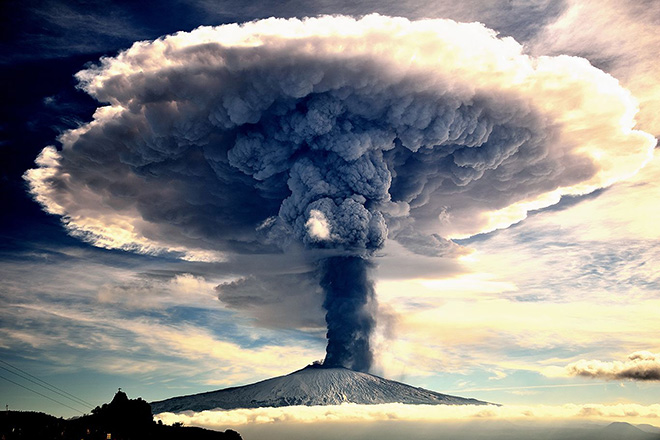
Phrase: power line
[37,383]
[43,395]
[48,386]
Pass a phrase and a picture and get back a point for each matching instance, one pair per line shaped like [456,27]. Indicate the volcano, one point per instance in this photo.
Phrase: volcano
[313,385]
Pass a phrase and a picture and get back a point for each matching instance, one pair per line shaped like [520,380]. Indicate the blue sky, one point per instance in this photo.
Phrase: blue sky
[538,300]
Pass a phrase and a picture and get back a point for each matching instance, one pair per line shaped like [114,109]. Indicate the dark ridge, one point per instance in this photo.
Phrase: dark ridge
[122,419]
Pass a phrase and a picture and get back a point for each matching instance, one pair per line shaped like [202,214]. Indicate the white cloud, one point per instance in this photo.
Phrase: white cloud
[318,225]
[148,293]
[115,228]
[498,375]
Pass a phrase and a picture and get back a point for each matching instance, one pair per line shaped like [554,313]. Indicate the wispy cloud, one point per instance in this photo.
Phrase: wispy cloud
[149,293]
[453,333]
[77,314]
[564,285]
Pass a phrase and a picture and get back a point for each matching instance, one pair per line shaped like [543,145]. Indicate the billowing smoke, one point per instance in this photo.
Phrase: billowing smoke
[641,366]
[327,137]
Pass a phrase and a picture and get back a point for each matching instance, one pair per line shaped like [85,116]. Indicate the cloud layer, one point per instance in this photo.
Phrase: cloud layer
[219,419]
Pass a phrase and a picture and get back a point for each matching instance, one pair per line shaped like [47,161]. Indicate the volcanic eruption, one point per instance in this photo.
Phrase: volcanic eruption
[326,137]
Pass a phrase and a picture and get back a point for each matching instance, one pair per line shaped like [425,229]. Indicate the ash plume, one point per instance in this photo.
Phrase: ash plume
[327,137]
[350,303]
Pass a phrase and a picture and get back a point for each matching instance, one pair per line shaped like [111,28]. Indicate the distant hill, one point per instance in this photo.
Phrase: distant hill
[648,428]
[311,386]
[122,419]
[613,431]
[622,430]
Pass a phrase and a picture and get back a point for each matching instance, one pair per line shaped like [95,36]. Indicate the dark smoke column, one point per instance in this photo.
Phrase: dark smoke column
[349,301]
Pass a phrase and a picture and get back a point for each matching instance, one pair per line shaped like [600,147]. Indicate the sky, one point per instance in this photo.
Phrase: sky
[488,177]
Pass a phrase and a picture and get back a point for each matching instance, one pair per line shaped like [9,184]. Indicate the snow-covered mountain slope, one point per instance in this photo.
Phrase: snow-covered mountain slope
[311,386]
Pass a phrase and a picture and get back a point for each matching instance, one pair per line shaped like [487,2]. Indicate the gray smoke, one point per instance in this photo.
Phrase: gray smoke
[325,141]
[346,156]
[350,154]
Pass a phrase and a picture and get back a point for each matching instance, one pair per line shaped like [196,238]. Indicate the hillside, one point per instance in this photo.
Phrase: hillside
[311,386]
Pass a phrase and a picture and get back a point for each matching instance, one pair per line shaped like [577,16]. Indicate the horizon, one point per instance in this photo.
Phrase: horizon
[164,230]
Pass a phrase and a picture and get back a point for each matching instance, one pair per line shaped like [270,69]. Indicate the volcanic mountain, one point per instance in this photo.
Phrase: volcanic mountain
[311,386]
